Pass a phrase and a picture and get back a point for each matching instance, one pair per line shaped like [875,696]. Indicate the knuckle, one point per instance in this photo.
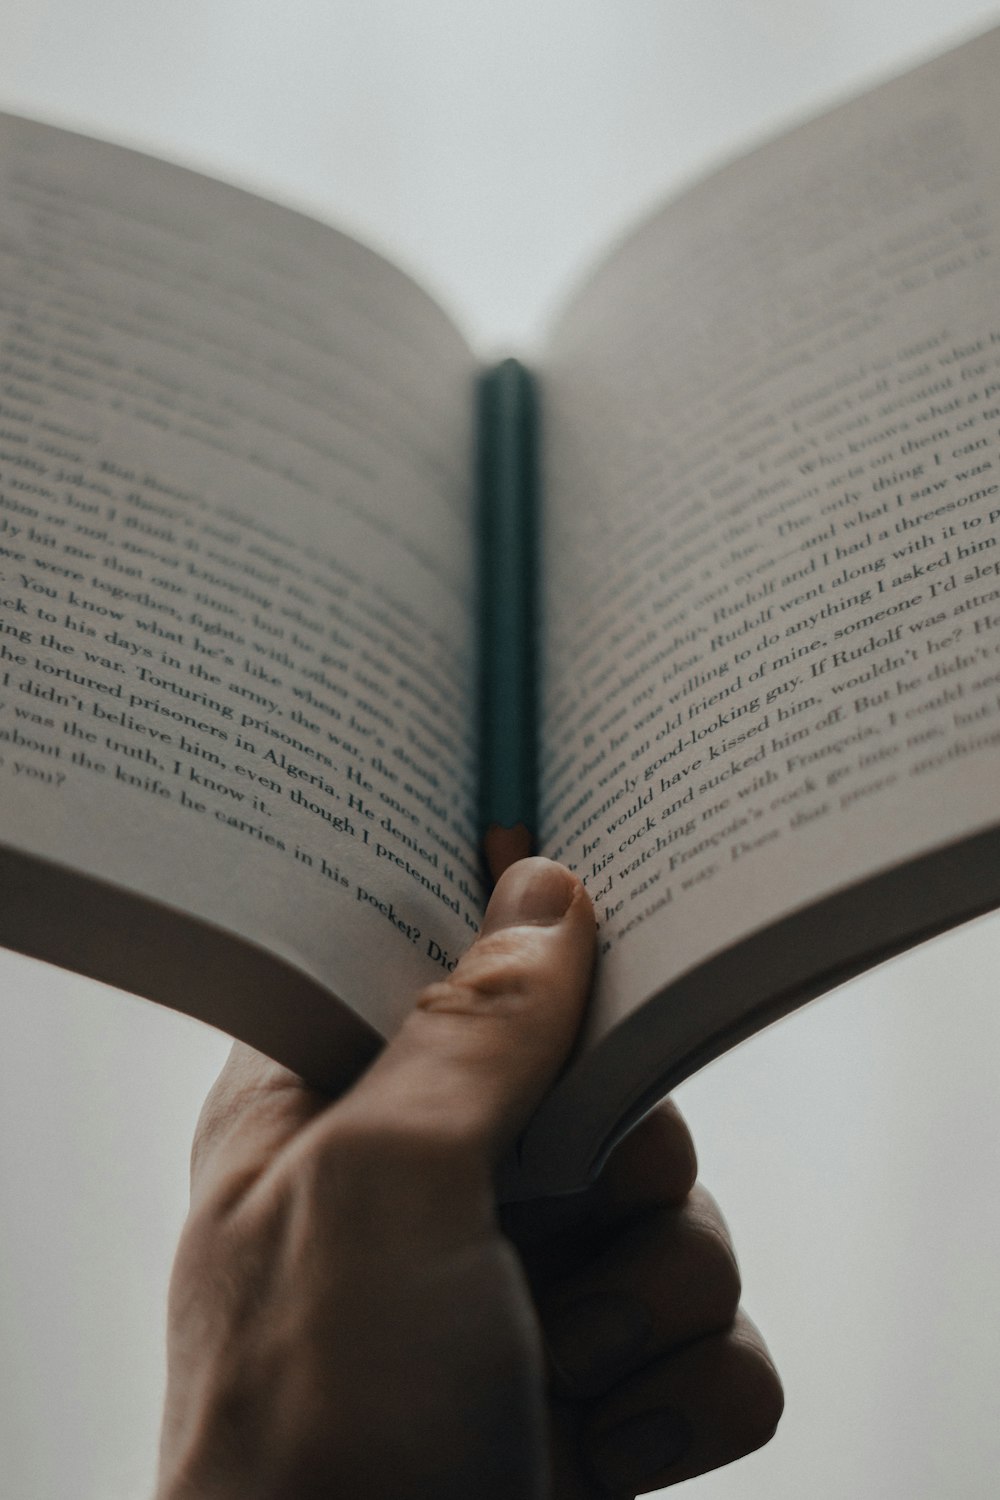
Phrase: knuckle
[488,973]
[721,1277]
[449,997]
[358,1145]
[501,962]
[760,1397]
[678,1147]
[378,1169]
[713,1268]
[655,1164]
[665,1137]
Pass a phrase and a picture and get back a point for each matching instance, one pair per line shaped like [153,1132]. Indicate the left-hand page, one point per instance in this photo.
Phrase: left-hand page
[237,748]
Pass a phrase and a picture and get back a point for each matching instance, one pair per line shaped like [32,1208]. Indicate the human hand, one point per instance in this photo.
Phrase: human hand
[347,1318]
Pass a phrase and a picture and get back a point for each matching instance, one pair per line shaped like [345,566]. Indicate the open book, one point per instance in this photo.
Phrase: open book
[238,605]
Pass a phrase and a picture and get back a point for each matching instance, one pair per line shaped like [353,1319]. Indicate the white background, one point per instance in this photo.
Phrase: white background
[855,1148]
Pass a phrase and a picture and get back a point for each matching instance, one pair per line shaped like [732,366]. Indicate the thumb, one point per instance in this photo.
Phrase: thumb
[473,1059]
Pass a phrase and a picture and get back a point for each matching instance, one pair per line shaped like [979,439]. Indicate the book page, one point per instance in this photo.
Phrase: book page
[235,569]
[772,552]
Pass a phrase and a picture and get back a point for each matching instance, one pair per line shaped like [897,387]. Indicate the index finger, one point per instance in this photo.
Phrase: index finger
[653,1167]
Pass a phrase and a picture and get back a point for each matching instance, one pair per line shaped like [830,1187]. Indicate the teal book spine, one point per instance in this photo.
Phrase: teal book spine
[508,537]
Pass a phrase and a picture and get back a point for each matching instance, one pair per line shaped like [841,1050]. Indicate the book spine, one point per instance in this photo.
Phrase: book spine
[508,501]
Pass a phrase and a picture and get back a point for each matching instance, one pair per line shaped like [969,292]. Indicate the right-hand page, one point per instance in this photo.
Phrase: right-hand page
[772,551]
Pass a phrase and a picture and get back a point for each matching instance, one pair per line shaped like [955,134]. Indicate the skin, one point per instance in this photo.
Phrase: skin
[351,1315]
